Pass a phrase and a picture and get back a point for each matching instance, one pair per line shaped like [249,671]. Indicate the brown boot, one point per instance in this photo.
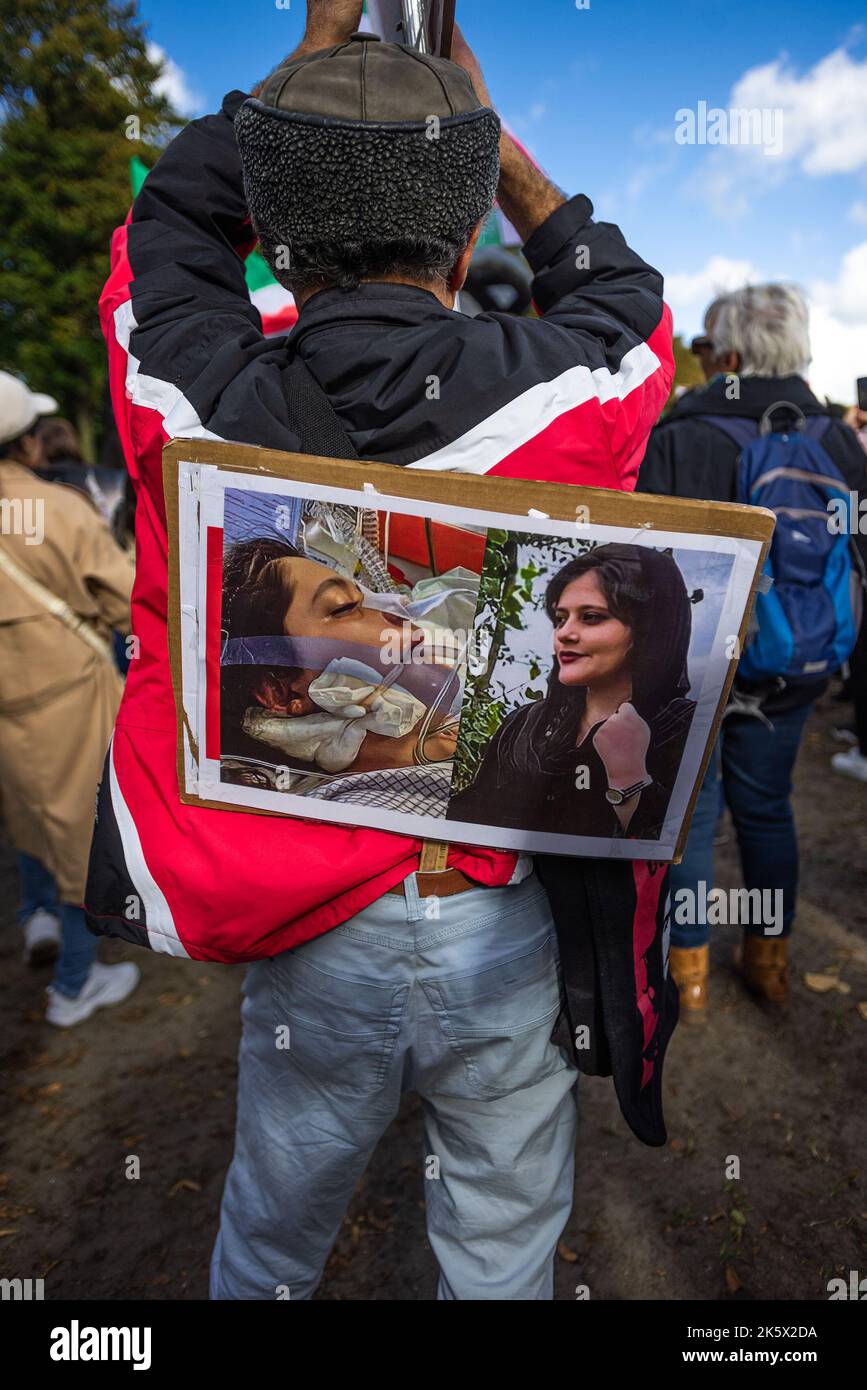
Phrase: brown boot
[689,967]
[764,966]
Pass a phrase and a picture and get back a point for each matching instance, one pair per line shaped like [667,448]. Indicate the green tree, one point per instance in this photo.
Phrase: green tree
[77,100]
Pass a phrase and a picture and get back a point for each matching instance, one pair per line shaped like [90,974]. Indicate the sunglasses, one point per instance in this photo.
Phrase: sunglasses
[701,344]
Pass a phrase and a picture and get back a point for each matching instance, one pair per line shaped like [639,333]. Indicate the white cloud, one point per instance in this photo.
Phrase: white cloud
[839,355]
[173,84]
[846,297]
[721,187]
[522,120]
[858,213]
[823,131]
[838,327]
[824,111]
[689,294]
[838,314]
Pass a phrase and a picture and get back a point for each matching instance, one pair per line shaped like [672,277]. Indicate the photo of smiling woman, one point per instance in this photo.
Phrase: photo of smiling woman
[312,700]
[600,753]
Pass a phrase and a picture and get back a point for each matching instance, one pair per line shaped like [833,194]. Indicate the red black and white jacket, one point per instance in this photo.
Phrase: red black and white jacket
[569,397]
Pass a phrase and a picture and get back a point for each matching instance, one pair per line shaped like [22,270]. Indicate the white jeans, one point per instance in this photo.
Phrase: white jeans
[454,998]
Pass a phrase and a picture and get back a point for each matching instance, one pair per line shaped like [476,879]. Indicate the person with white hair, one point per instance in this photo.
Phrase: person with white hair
[755,353]
[761,330]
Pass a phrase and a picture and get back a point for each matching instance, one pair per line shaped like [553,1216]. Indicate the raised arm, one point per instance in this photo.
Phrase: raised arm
[175,311]
[605,308]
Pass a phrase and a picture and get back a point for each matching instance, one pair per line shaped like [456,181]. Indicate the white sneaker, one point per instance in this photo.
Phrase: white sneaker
[844,733]
[106,984]
[852,763]
[41,937]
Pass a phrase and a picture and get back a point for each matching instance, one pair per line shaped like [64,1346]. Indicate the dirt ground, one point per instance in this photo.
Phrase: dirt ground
[784,1092]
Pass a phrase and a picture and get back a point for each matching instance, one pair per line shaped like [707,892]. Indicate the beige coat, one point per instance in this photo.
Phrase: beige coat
[58,697]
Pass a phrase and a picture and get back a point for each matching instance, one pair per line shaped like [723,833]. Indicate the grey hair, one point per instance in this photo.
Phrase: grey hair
[768,326]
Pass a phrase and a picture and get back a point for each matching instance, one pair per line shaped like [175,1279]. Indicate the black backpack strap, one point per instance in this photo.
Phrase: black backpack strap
[312,416]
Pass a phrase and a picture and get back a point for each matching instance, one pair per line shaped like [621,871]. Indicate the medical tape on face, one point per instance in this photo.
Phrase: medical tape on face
[425,681]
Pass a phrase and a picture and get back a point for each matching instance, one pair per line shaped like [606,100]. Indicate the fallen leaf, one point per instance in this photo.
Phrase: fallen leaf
[185,1185]
[563,1250]
[9,1231]
[821,984]
[862,1009]
[733,1283]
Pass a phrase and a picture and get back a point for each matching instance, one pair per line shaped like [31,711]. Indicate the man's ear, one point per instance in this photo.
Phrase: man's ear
[462,264]
[276,694]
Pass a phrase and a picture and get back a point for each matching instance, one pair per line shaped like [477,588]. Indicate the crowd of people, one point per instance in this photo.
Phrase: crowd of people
[755,354]
[468,1009]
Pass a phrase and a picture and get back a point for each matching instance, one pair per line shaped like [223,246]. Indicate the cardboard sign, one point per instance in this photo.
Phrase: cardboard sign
[485,660]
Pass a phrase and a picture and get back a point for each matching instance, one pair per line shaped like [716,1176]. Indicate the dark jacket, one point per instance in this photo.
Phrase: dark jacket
[551,802]
[689,457]
[568,397]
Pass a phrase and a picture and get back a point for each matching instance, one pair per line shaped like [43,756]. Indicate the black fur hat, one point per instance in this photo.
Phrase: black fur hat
[366,143]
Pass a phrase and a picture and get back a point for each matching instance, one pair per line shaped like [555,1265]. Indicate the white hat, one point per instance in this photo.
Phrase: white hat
[20,408]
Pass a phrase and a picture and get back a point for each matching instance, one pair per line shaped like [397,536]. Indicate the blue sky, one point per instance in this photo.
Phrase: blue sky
[595,92]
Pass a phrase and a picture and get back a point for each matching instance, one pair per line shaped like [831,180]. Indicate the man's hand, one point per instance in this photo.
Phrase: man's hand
[329,22]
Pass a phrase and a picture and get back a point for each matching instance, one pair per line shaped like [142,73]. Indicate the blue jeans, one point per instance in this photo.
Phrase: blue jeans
[77,944]
[755,764]
[454,998]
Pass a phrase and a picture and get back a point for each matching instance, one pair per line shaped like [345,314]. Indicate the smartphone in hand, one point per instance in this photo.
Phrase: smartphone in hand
[861,385]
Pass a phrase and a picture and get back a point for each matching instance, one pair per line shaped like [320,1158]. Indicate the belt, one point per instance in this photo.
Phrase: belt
[441,885]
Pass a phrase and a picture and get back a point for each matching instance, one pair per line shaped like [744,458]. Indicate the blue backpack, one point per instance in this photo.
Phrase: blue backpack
[807,622]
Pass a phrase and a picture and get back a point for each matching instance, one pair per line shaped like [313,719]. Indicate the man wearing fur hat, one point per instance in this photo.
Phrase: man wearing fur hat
[366,170]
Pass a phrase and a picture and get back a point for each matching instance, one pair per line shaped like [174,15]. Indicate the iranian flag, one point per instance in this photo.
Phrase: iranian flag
[275,304]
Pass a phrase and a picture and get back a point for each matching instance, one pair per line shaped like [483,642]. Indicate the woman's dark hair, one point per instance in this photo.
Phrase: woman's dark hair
[14,448]
[59,440]
[644,589]
[255,592]
[255,596]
